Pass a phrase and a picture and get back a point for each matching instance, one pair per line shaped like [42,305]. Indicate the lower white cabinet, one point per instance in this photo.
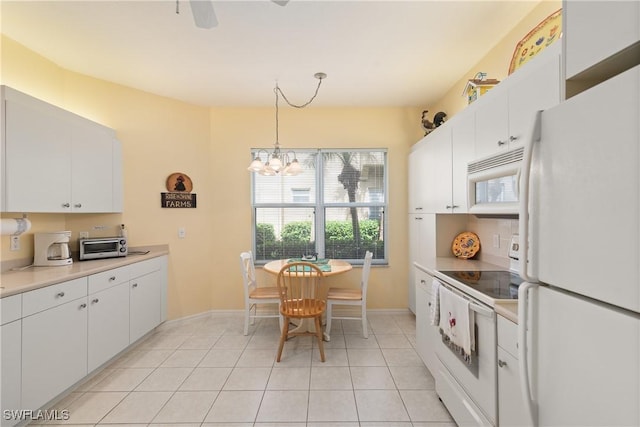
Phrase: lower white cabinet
[426,333]
[108,324]
[10,359]
[54,351]
[511,409]
[54,336]
[10,381]
[144,306]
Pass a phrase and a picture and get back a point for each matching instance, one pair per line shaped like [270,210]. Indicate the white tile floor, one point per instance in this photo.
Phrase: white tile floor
[204,372]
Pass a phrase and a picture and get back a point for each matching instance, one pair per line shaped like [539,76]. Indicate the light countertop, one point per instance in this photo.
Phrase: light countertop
[17,281]
[507,309]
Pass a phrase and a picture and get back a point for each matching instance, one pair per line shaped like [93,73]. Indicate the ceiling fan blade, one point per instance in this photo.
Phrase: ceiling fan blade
[203,13]
[280,2]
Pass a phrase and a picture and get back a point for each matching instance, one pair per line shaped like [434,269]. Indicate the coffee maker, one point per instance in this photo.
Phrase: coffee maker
[51,249]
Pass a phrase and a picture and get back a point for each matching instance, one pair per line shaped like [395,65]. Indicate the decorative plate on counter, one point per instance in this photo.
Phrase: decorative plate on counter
[466,245]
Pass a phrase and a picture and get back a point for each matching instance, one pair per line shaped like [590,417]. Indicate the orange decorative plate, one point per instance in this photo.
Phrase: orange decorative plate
[466,245]
[544,34]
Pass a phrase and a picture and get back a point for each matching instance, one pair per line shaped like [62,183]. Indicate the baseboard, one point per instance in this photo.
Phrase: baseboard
[344,311]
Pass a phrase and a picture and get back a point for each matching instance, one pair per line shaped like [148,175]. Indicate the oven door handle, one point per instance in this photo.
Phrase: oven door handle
[481,310]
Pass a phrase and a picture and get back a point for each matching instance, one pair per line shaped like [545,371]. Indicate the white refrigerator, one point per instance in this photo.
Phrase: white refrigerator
[579,308]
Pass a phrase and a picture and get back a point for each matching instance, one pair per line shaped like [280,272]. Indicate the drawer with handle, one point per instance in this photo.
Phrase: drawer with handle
[52,296]
[106,279]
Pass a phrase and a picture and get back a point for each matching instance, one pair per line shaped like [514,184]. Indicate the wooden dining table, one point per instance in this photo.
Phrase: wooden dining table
[338,266]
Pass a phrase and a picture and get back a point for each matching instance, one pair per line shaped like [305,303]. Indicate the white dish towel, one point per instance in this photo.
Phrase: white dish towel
[457,323]
[434,308]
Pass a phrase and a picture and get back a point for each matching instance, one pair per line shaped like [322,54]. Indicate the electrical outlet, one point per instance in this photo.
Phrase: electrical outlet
[84,234]
[496,241]
[182,233]
[15,243]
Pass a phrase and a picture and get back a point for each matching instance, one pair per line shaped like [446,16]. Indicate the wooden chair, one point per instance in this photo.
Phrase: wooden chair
[349,296]
[299,289]
[254,295]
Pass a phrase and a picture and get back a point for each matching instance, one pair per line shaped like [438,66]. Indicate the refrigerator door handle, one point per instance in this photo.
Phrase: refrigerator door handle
[524,226]
[523,351]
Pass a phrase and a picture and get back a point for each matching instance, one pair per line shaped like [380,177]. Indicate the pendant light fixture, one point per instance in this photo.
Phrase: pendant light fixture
[281,162]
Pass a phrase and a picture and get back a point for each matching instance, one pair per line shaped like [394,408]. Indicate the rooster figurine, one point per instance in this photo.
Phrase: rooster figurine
[426,124]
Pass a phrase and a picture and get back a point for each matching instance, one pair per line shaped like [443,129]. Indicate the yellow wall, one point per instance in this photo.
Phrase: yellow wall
[160,136]
[496,63]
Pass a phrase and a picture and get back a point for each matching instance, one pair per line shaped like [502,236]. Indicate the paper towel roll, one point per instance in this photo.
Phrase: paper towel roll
[14,226]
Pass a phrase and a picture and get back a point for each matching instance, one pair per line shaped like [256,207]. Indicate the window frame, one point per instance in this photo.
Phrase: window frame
[319,206]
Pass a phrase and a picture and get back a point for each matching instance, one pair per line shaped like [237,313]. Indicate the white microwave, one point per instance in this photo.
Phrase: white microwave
[493,183]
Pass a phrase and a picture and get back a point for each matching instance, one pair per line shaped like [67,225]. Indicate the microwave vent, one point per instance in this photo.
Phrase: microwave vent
[496,160]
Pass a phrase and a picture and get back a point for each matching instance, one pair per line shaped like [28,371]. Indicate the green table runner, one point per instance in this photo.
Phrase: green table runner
[322,263]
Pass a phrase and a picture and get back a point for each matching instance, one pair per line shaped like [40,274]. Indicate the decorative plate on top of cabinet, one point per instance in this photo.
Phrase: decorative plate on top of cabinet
[466,245]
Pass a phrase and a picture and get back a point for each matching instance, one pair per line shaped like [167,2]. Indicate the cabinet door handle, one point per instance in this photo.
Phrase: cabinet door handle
[112,278]
[95,301]
[83,305]
[65,205]
[452,206]
[135,285]
[418,209]
[429,304]
[78,205]
[60,294]
[513,138]
[423,281]
[501,363]
[418,218]
[501,143]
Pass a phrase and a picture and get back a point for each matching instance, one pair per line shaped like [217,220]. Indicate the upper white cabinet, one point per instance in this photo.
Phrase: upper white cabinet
[417,197]
[602,38]
[448,149]
[505,114]
[436,175]
[56,161]
[462,152]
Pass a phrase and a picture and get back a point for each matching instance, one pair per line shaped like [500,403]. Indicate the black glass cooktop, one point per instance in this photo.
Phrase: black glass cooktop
[496,284]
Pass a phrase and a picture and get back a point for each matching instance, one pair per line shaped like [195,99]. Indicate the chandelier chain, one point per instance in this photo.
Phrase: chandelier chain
[278,90]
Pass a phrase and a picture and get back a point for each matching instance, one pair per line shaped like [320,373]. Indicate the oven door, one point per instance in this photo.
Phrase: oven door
[478,380]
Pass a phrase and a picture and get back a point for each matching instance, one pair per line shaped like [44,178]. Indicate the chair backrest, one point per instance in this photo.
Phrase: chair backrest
[248,273]
[299,288]
[366,269]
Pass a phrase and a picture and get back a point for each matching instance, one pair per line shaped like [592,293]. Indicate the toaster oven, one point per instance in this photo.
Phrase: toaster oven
[102,247]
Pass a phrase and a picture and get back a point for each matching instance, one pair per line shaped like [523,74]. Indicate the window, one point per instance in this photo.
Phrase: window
[335,208]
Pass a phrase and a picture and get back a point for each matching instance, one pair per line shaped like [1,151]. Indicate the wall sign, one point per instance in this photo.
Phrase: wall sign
[179,186]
